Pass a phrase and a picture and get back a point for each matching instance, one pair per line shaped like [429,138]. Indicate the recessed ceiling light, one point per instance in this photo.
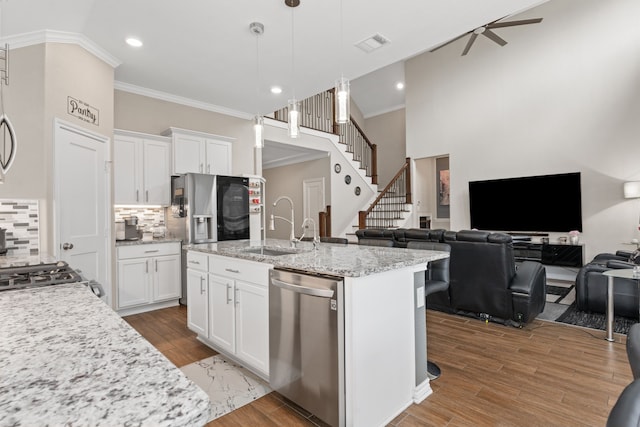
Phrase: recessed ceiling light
[399,85]
[276,90]
[134,42]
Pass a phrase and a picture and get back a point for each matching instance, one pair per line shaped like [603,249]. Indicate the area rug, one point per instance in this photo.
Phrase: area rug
[228,385]
[573,316]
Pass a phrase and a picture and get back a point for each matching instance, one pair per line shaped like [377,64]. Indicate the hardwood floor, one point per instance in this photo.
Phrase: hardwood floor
[546,374]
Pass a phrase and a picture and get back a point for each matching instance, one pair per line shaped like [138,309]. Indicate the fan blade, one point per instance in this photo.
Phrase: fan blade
[447,43]
[472,39]
[493,36]
[514,23]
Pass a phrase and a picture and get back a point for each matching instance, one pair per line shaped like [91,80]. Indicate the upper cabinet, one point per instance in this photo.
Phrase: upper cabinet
[142,169]
[199,152]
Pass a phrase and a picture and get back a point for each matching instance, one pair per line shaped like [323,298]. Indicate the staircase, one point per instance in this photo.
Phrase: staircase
[392,204]
[317,113]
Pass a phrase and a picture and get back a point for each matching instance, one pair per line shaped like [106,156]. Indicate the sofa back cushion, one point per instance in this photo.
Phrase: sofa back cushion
[482,268]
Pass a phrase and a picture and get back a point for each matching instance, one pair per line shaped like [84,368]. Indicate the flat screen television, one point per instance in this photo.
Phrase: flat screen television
[527,204]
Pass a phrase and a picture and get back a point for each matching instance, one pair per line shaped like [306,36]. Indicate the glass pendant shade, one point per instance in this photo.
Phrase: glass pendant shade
[341,108]
[294,118]
[258,128]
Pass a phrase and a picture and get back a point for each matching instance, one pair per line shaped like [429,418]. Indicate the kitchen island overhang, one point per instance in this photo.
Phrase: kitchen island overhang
[382,329]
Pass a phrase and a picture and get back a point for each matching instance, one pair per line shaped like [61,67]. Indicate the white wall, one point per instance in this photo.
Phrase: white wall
[561,96]
[387,131]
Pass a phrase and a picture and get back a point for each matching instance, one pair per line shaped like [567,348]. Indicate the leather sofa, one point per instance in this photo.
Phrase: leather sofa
[485,280]
[591,286]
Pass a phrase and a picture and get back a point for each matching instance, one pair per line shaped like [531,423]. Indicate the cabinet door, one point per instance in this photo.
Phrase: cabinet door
[218,157]
[166,277]
[126,170]
[157,173]
[198,308]
[252,325]
[133,282]
[221,312]
[188,154]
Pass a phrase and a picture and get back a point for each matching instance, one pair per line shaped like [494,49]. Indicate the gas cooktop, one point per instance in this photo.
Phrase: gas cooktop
[38,275]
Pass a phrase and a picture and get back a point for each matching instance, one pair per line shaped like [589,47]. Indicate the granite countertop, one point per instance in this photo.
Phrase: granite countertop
[67,359]
[341,260]
[146,242]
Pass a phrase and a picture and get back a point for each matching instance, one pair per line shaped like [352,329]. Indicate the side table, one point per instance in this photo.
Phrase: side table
[624,273]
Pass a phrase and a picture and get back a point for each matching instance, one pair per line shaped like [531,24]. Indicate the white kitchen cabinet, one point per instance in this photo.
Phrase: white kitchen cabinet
[142,169]
[148,276]
[197,293]
[234,316]
[199,152]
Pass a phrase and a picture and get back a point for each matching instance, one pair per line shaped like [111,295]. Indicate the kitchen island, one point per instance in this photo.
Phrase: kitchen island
[67,359]
[383,364]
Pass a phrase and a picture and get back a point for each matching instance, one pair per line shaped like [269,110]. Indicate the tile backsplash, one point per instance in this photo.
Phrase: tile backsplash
[146,216]
[21,220]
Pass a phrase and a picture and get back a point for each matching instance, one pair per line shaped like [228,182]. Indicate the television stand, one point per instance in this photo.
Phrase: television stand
[558,254]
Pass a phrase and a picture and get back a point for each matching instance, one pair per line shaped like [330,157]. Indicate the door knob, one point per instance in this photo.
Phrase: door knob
[67,246]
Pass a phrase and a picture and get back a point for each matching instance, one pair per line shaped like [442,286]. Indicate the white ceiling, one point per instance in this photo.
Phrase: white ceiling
[203,50]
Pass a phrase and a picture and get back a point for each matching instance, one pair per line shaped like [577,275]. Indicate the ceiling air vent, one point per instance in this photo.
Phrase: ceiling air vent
[372,43]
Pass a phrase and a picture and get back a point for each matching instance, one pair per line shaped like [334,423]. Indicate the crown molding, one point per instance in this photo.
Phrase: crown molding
[49,36]
[164,96]
[384,111]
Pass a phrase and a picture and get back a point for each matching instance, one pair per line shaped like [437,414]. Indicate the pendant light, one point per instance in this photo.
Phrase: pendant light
[257,28]
[293,105]
[341,95]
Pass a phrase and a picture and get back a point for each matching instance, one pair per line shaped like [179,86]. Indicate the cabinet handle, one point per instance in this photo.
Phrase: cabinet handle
[149,252]
[208,168]
[201,167]
[147,195]
[137,195]
[146,266]
[201,283]
[194,262]
[228,299]
[231,270]
[156,261]
[235,296]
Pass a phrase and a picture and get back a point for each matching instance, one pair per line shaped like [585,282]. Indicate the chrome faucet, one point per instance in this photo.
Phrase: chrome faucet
[272,223]
[316,239]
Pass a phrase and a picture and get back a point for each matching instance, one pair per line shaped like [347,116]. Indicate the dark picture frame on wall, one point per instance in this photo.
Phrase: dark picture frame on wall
[443,183]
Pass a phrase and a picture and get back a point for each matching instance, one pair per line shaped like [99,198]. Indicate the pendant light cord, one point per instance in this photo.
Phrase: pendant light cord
[341,42]
[293,73]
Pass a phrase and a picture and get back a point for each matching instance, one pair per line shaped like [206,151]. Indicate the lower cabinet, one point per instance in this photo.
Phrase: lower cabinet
[229,306]
[148,274]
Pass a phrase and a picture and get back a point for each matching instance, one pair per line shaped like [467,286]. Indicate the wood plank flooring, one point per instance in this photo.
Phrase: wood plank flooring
[546,374]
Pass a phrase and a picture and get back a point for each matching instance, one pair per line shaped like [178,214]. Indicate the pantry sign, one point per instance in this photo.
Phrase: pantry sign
[83,111]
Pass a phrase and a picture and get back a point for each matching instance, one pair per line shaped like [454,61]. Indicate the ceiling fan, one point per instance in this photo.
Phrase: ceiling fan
[486,30]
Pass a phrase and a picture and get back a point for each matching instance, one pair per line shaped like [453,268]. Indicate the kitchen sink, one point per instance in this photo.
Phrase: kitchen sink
[272,251]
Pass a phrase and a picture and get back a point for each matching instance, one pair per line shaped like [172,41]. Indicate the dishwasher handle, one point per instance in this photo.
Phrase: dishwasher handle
[324,293]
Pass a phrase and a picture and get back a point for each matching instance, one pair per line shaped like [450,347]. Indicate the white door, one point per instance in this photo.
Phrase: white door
[134,282]
[82,228]
[222,329]
[252,325]
[127,163]
[198,308]
[218,157]
[313,198]
[166,272]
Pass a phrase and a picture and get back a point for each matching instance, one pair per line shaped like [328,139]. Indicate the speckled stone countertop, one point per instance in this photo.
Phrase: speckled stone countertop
[66,359]
[341,260]
[146,242]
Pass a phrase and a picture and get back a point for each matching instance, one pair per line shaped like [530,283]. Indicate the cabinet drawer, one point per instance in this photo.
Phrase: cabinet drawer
[249,271]
[197,260]
[148,250]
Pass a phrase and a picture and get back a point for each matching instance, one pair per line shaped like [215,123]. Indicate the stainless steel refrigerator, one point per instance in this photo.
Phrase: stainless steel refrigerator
[206,209]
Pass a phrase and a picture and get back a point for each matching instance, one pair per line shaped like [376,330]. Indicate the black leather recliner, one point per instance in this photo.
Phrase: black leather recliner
[591,286]
[485,281]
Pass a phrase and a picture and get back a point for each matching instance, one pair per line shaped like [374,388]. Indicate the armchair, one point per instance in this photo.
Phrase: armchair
[591,286]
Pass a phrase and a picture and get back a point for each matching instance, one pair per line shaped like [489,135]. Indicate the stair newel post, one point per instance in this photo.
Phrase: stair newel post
[362,220]
[408,183]
[374,164]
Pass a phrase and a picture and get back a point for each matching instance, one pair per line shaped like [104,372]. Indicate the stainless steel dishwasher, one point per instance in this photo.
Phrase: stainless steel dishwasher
[306,342]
